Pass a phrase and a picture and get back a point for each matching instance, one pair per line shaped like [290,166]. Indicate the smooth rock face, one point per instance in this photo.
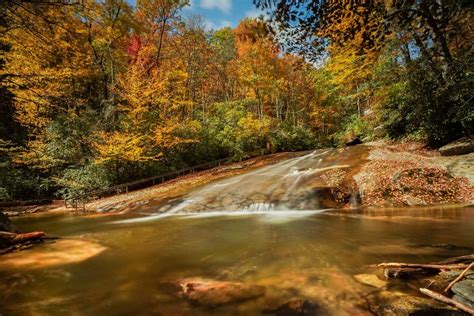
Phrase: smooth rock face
[214,292]
[465,290]
[461,146]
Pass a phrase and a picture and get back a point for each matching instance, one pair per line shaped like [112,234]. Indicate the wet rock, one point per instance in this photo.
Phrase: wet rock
[6,225]
[407,273]
[370,279]
[462,300]
[396,303]
[296,308]
[353,142]
[214,292]
[461,146]
[465,291]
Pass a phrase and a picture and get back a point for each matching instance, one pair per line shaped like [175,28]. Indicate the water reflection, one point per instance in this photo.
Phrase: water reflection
[311,257]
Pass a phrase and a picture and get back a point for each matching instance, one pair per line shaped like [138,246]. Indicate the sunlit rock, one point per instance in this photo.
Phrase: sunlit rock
[370,279]
[214,292]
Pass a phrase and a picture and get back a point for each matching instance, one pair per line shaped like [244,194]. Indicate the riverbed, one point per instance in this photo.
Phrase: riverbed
[311,256]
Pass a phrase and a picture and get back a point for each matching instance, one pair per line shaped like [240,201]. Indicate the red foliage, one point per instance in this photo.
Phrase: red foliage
[134,47]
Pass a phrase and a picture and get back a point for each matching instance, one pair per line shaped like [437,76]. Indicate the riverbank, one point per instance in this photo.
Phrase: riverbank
[382,174]
[409,174]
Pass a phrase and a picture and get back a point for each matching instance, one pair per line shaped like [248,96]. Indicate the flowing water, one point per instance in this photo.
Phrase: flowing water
[282,240]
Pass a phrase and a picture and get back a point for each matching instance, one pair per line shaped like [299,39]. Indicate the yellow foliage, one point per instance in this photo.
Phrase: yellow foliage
[122,146]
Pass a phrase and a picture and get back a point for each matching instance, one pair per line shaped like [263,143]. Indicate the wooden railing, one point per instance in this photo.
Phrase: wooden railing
[79,201]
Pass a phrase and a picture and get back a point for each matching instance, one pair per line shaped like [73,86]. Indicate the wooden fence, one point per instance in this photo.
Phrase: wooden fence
[80,201]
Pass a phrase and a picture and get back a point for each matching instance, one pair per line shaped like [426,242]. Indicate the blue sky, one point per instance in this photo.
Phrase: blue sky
[220,13]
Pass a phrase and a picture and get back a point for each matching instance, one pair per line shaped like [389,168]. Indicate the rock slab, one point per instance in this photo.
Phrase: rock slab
[464,291]
[461,146]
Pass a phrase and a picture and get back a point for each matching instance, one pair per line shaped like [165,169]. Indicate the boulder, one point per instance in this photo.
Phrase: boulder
[296,308]
[461,146]
[210,292]
[354,141]
[379,131]
[6,225]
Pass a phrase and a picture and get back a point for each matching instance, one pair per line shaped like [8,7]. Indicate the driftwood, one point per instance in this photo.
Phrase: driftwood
[10,239]
[458,278]
[423,266]
[461,259]
[447,300]
[397,270]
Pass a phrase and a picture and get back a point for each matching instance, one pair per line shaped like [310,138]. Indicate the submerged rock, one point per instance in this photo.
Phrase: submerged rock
[461,146]
[370,279]
[464,291]
[396,303]
[297,308]
[210,292]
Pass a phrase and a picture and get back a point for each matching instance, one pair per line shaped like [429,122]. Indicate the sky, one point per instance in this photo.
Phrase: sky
[221,13]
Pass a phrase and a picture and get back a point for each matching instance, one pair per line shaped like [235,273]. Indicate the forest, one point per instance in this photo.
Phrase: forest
[96,93]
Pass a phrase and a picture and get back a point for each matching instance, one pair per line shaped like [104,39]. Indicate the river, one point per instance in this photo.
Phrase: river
[126,261]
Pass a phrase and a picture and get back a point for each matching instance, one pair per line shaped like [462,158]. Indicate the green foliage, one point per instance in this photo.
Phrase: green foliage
[416,104]
[16,181]
[288,137]
[354,126]
[75,181]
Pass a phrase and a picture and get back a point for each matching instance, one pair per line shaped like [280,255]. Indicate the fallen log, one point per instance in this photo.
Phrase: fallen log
[10,239]
[422,266]
[447,300]
[460,259]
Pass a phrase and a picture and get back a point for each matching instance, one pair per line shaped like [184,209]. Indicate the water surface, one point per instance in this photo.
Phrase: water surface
[294,256]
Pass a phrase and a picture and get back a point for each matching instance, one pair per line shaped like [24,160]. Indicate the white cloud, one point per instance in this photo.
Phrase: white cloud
[255,13]
[210,25]
[223,5]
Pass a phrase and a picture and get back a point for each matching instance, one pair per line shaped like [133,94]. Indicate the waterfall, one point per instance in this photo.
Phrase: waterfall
[288,186]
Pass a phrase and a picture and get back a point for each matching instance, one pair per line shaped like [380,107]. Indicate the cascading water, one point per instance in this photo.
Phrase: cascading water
[291,185]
